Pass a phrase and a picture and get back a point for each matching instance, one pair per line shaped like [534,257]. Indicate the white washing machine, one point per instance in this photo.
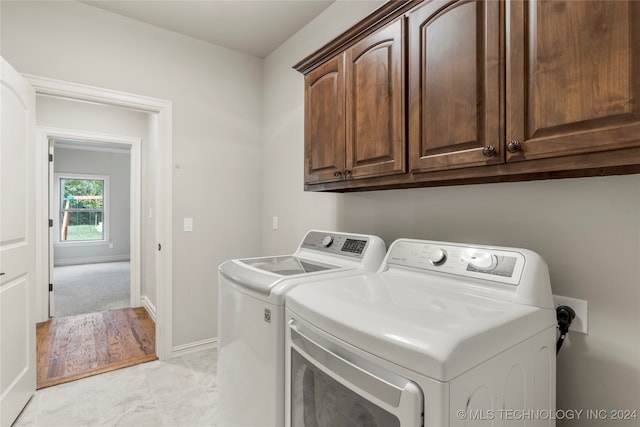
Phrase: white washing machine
[251,319]
[444,334]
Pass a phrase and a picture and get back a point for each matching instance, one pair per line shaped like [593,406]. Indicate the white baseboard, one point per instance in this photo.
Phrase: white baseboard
[148,305]
[90,260]
[181,350]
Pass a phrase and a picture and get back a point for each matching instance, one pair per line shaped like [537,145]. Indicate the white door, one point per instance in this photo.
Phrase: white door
[17,251]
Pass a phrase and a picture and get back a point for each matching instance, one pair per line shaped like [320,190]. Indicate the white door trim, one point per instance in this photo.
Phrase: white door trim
[46,134]
[163,130]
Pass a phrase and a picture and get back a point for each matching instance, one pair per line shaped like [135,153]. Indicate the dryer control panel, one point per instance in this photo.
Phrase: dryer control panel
[486,263]
[337,244]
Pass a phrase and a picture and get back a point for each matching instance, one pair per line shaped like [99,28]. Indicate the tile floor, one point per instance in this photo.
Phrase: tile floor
[173,393]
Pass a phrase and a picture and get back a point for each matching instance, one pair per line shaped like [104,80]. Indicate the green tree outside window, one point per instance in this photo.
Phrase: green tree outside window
[82,209]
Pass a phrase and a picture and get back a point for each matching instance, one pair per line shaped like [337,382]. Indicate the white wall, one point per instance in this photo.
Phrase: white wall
[216,95]
[587,229]
[116,167]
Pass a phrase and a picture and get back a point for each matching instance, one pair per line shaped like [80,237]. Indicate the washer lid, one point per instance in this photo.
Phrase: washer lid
[261,275]
[430,330]
[321,253]
[287,265]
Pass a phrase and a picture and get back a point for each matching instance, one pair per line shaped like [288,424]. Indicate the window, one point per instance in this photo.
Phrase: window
[82,208]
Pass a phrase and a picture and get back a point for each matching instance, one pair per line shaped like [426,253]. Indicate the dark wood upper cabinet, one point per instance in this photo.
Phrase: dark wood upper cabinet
[354,110]
[572,77]
[375,104]
[454,85]
[324,127]
[445,92]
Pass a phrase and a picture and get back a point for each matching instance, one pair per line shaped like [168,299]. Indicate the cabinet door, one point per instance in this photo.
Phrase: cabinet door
[573,77]
[454,85]
[324,127]
[375,104]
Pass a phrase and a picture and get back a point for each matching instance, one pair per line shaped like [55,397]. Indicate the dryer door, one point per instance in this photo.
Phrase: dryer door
[331,387]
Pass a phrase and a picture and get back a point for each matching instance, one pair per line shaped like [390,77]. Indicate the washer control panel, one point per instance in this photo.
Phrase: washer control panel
[340,244]
[478,262]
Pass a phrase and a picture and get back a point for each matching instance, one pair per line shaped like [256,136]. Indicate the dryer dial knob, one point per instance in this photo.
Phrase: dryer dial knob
[327,241]
[484,261]
[437,256]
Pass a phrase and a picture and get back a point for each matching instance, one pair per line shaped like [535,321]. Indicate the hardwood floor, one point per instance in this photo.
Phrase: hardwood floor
[70,348]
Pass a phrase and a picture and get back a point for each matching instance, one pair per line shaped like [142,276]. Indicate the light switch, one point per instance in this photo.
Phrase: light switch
[275,223]
[188,224]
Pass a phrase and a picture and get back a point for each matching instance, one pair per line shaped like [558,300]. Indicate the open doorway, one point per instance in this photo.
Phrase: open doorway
[90,198]
[154,162]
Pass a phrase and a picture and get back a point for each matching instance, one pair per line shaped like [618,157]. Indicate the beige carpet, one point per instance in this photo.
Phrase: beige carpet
[90,288]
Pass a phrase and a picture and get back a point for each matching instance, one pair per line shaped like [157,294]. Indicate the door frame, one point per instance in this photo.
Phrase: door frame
[46,135]
[161,129]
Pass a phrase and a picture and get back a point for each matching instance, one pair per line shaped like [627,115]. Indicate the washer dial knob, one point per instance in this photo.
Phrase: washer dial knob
[327,241]
[437,256]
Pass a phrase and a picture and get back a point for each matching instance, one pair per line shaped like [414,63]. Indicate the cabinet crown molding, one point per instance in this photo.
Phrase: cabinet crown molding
[377,19]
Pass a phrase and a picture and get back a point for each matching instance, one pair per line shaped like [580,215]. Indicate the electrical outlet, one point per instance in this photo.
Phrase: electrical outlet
[581,323]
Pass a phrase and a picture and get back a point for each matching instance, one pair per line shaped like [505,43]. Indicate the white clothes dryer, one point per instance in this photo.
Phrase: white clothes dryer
[444,334]
[251,319]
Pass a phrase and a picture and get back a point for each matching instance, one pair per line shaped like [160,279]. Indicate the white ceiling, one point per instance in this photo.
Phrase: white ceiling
[254,27]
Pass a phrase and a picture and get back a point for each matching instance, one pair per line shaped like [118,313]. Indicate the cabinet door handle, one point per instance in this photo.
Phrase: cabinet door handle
[337,173]
[514,146]
[347,173]
[488,151]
